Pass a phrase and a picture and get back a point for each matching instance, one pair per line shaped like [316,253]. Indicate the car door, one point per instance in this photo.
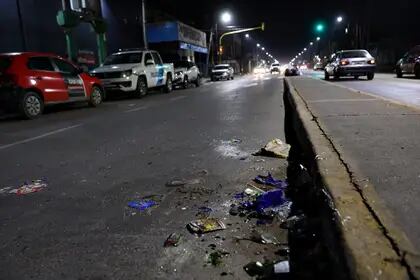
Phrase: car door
[151,72]
[410,63]
[43,76]
[160,69]
[74,83]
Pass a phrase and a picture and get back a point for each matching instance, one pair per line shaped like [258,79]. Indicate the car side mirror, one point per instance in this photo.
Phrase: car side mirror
[150,62]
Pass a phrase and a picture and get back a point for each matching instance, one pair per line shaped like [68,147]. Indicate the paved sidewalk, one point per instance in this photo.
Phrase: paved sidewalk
[378,141]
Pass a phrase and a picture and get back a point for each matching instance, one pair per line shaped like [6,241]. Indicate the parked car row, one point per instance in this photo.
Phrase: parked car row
[30,81]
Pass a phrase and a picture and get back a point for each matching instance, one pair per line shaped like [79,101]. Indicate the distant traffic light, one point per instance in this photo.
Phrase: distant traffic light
[319,27]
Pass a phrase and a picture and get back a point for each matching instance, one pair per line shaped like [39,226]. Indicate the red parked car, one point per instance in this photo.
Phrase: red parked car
[30,80]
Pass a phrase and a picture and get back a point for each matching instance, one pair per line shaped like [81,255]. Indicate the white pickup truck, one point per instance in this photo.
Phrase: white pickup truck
[135,71]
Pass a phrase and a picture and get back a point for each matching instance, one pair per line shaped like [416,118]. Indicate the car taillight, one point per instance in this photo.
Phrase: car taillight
[344,62]
[372,61]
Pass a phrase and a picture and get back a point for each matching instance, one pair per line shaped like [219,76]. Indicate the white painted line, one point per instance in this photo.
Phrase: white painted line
[178,97]
[343,100]
[39,136]
[251,85]
[136,109]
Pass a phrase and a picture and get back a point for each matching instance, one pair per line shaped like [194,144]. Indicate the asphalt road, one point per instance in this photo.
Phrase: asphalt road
[97,160]
[404,90]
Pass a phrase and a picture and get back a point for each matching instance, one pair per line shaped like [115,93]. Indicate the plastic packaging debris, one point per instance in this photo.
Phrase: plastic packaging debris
[269,180]
[172,240]
[5,190]
[34,186]
[206,225]
[269,199]
[142,204]
[253,191]
[281,267]
[234,140]
[215,258]
[274,148]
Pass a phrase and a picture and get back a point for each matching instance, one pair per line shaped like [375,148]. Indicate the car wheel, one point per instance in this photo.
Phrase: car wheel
[336,76]
[96,96]
[356,77]
[399,72]
[417,71]
[198,81]
[185,82]
[370,76]
[31,105]
[233,77]
[141,89]
[326,76]
[168,85]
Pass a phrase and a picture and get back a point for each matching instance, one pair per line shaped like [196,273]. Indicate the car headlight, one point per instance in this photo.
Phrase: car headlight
[126,74]
[224,73]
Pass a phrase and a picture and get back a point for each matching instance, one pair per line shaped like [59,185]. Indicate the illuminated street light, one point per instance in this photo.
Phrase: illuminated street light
[339,19]
[226,17]
[246,35]
[318,38]
[258,45]
[263,48]
[304,49]
[319,27]
[311,43]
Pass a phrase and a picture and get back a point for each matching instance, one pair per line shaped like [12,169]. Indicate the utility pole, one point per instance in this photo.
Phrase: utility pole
[21,28]
[143,18]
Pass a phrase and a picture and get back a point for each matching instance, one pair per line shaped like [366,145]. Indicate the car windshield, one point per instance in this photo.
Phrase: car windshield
[123,58]
[181,64]
[352,54]
[5,62]
[221,67]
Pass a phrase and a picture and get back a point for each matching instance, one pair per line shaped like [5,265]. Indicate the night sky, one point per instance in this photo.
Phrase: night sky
[290,24]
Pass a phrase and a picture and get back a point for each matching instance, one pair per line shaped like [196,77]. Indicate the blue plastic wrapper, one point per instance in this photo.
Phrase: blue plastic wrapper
[269,180]
[142,204]
[269,199]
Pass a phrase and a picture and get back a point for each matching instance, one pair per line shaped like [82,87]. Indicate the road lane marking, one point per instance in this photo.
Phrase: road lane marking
[178,97]
[251,85]
[343,100]
[136,109]
[39,136]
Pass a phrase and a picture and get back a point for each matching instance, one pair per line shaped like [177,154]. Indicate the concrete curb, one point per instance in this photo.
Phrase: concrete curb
[365,248]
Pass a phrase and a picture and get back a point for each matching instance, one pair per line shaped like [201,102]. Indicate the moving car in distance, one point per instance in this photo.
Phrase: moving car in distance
[135,71]
[31,80]
[222,72]
[350,63]
[275,68]
[292,70]
[318,66]
[186,72]
[409,63]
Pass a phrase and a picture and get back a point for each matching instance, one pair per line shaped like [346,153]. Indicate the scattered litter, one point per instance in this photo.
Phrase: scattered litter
[271,181]
[234,140]
[291,222]
[204,212]
[5,190]
[175,183]
[184,208]
[255,268]
[206,225]
[282,267]
[142,204]
[203,172]
[172,240]
[263,238]
[34,186]
[254,191]
[284,251]
[270,199]
[274,148]
[260,160]
[215,258]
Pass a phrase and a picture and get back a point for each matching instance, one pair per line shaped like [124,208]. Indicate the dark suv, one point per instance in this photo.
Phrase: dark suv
[410,63]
